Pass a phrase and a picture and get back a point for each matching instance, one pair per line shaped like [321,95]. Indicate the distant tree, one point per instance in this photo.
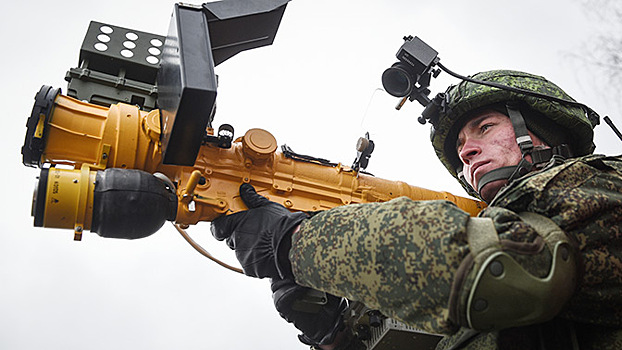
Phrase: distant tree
[604,50]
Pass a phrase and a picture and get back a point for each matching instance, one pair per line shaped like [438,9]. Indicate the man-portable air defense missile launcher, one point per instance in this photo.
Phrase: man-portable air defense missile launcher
[132,144]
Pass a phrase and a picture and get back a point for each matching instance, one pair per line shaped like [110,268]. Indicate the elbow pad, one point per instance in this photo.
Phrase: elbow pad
[499,293]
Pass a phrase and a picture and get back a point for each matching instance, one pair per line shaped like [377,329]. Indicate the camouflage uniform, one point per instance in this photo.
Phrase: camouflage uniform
[409,259]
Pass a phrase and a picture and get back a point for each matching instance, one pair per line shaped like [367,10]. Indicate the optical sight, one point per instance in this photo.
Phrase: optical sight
[410,76]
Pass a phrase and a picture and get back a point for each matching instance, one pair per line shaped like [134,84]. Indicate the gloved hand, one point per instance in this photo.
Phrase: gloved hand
[260,236]
[319,323]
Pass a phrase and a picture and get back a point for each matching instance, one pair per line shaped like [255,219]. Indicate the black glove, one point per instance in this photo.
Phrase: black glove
[319,321]
[260,236]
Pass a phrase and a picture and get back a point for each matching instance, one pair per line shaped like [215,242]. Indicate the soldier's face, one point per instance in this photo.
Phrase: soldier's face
[487,142]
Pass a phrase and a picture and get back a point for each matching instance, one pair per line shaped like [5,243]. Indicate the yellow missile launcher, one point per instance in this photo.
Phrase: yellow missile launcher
[131,145]
[102,162]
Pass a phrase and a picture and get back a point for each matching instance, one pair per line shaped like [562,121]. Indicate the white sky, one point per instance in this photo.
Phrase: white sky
[310,89]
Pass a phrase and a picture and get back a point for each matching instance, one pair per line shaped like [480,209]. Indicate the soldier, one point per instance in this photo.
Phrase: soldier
[539,268]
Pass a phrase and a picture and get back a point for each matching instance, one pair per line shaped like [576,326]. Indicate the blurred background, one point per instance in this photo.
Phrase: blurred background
[317,89]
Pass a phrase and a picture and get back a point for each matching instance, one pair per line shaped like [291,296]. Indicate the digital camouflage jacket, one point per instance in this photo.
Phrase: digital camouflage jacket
[404,257]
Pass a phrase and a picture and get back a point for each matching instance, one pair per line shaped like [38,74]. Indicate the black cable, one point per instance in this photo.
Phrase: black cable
[585,108]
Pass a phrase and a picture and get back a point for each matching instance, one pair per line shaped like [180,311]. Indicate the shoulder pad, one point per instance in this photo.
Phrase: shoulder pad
[503,293]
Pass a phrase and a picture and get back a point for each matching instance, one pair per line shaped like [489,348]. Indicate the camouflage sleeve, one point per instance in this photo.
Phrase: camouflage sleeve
[398,257]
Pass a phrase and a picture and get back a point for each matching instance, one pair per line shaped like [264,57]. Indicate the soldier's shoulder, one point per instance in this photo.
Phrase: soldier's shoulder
[554,180]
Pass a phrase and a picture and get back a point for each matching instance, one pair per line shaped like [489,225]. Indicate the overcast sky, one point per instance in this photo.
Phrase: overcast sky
[313,89]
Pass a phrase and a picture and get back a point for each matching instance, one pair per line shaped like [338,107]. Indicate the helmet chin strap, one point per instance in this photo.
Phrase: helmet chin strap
[503,173]
[525,143]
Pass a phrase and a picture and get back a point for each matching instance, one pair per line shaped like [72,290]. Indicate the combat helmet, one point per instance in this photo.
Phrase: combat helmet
[532,102]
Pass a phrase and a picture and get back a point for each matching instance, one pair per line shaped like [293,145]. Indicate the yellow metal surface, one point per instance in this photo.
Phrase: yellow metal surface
[298,185]
[69,199]
[122,136]
[40,126]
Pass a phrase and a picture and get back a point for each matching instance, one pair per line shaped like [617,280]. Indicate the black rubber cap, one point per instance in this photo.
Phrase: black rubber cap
[130,204]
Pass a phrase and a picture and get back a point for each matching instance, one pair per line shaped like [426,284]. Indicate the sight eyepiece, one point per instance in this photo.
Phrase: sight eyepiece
[398,80]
